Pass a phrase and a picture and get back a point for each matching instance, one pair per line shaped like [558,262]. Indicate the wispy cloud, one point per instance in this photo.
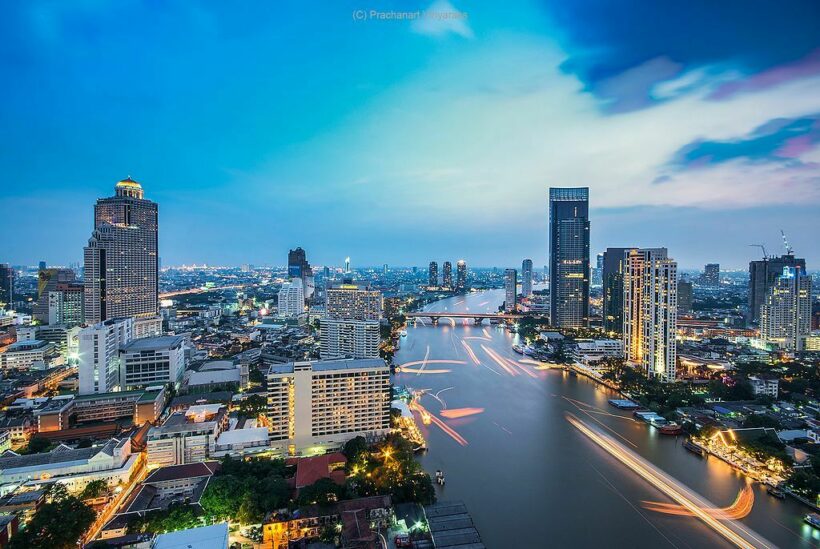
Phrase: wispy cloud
[442,18]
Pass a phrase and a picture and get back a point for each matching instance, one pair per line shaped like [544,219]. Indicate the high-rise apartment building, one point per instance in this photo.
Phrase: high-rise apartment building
[347,338]
[47,281]
[99,349]
[121,264]
[353,302]
[66,304]
[315,406]
[447,275]
[598,271]
[612,280]
[461,275]
[711,275]
[785,317]
[685,297]
[432,274]
[650,312]
[510,290]
[569,256]
[6,286]
[762,275]
[291,301]
[526,278]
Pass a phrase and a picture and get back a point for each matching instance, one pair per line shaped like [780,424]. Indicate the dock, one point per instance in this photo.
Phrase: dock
[451,526]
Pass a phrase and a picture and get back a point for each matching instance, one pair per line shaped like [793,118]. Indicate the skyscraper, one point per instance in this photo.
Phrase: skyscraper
[598,271]
[447,275]
[785,317]
[461,275]
[347,265]
[684,297]
[6,286]
[526,278]
[432,274]
[121,257]
[353,302]
[99,363]
[762,274]
[351,324]
[510,290]
[569,256]
[711,275]
[66,304]
[612,279]
[47,281]
[298,267]
[650,312]
[291,299]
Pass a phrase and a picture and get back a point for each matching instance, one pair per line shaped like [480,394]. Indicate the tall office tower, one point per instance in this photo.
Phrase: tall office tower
[66,304]
[121,257]
[785,317]
[353,302]
[650,311]
[461,275]
[612,280]
[47,281]
[321,405]
[762,275]
[432,276]
[569,257]
[99,347]
[347,265]
[291,301]
[298,267]
[384,269]
[343,338]
[711,275]
[510,290]
[447,275]
[526,278]
[598,271]
[684,297]
[6,286]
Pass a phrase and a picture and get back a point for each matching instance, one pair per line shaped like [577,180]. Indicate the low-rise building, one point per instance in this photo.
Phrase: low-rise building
[22,355]
[764,385]
[592,351]
[152,361]
[187,437]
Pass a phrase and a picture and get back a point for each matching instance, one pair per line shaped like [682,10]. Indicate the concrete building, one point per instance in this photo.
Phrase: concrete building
[762,276]
[711,275]
[432,274]
[152,361]
[187,437]
[650,312]
[66,305]
[6,287]
[569,256]
[345,338]
[785,317]
[99,358]
[47,282]
[291,301]
[353,302]
[612,280]
[461,275]
[22,355]
[447,275]
[315,406]
[765,385]
[121,262]
[685,297]
[510,290]
[591,351]
[526,278]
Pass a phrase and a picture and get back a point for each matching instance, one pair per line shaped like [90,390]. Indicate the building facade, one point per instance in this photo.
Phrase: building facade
[432,274]
[711,275]
[650,312]
[785,317]
[347,338]
[569,256]
[612,280]
[762,275]
[47,282]
[353,302]
[461,275]
[66,305]
[685,297]
[291,302]
[447,275]
[510,290]
[152,361]
[121,262]
[526,278]
[6,286]
[99,360]
[315,406]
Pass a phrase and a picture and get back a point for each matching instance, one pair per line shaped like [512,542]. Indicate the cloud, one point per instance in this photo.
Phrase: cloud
[442,18]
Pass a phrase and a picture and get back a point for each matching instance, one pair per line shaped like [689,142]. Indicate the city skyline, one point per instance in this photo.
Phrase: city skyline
[691,139]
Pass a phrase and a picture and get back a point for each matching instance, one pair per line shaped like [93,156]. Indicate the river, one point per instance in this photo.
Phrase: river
[528,477]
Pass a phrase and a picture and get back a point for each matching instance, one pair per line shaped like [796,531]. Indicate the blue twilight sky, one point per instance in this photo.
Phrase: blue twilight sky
[259,126]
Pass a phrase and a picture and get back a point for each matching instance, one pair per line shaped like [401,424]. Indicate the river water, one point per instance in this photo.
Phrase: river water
[530,479]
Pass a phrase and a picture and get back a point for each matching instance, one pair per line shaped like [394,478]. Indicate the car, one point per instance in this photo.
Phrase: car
[403,540]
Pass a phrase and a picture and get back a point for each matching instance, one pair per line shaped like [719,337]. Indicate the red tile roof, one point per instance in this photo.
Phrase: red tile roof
[311,469]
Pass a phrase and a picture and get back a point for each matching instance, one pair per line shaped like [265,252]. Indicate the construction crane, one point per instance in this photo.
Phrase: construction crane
[789,250]
[762,247]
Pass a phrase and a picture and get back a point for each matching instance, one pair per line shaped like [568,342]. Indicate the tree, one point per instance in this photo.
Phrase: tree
[253,406]
[256,376]
[354,449]
[223,496]
[322,492]
[37,445]
[94,489]
[178,516]
[58,524]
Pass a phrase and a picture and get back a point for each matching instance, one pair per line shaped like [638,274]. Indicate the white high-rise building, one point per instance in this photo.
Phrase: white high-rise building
[526,278]
[99,360]
[785,317]
[347,338]
[353,302]
[510,289]
[650,311]
[316,406]
[292,298]
[152,361]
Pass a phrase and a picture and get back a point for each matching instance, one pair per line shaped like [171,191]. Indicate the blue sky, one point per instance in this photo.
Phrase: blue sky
[268,125]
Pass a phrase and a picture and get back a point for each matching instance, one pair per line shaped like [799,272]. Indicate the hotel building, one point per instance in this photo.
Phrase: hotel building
[785,317]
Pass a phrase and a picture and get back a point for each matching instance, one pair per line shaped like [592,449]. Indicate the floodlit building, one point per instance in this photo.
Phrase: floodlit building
[447,275]
[762,275]
[291,299]
[99,359]
[187,437]
[353,302]
[591,351]
[461,275]
[569,256]
[650,311]
[47,281]
[785,317]
[432,274]
[315,406]
[121,262]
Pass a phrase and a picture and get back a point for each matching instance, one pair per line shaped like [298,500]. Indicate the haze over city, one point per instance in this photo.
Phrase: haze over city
[269,125]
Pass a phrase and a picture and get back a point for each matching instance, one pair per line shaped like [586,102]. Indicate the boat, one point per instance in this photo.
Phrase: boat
[812,519]
[518,349]
[440,477]
[776,492]
[529,350]
[694,448]
[404,333]
[671,429]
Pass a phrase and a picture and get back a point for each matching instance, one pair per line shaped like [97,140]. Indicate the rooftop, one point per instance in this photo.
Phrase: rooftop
[154,343]
[331,365]
[203,537]
[188,470]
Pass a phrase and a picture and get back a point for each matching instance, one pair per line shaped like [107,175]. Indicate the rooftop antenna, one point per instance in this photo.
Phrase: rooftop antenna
[762,247]
[789,250]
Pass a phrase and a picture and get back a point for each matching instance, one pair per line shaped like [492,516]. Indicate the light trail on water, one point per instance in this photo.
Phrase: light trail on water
[471,354]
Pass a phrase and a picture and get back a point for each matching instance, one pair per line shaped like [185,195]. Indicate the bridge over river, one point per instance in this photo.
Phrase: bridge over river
[478,318]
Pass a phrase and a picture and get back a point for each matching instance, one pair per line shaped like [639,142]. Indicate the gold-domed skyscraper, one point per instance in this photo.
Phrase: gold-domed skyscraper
[121,262]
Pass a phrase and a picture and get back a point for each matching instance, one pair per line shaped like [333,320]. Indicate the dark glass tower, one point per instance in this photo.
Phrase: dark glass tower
[569,256]
[613,289]
[762,276]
